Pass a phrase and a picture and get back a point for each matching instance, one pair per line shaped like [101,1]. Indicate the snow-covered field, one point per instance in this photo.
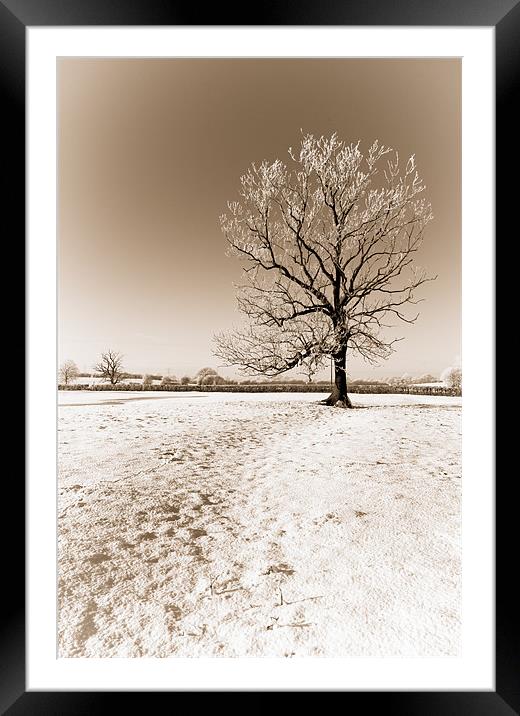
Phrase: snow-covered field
[231,524]
[97,380]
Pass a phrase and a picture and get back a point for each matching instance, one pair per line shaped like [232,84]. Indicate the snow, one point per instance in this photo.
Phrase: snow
[98,380]
[232,524]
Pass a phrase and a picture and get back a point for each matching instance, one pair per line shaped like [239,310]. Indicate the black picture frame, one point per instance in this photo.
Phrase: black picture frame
[15,17]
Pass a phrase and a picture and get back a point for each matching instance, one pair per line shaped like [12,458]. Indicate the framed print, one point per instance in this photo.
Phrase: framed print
[222,519]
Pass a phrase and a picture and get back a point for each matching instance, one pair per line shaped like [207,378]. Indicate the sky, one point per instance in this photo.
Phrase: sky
[151,150]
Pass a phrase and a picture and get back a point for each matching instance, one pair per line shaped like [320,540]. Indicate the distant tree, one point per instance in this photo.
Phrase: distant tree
[147,380]
[204,373]
[426,378]
[110,366]
[207,380]
[328,243]
[394,380]
[185,380]
[210,379]
[362,381]
[68,371]
[168,380]
[452,377]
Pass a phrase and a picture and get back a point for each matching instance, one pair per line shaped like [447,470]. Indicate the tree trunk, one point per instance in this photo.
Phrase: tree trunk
[339,390]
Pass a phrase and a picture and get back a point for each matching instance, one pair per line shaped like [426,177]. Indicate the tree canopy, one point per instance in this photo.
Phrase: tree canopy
[328,243]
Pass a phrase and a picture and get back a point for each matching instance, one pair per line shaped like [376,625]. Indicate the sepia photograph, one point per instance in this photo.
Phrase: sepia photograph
[259,375]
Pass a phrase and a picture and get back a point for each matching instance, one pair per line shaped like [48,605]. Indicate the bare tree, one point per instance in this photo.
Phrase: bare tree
[425,378]
[110,366]
[169,380]
[452,377]
[328,249]
[68,371]
[205,373]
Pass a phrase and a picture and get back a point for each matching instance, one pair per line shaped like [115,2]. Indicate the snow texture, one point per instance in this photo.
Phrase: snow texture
[234,525]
